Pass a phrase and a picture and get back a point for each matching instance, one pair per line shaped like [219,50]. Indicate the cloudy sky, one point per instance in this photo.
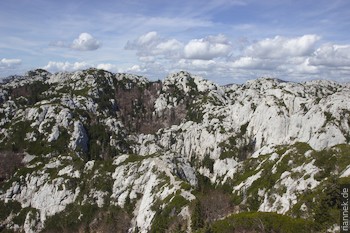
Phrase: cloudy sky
[226,41]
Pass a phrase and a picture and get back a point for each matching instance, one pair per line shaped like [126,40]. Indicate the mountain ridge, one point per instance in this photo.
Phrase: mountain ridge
[122,147]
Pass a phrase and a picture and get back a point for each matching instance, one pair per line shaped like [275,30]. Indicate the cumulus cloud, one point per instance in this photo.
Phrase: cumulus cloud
[6,63]
[282,47]
[168,46]
[151,45]
[134,69]
[85,42]
[53,66]
[144,42]
[254,63]
[196,64]
[65,66]
[330,55]
[107,66]
[298,58]
[114,68]
[208,48]
[286,56]
[147,38]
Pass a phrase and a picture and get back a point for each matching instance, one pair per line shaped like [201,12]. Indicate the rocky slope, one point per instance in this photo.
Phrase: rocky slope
[100,152]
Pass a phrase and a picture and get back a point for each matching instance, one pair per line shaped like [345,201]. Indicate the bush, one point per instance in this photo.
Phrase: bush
[208,163]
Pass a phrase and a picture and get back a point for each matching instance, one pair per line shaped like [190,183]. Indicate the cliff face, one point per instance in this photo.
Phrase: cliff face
[98,151]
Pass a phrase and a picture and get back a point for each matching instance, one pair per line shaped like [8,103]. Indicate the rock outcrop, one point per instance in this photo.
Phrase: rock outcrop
[101,147]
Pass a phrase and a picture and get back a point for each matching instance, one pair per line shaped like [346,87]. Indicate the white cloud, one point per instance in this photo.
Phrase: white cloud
[85,42]
[113,68]
[107,66]
[279,55]
[9,63]
[168,46]
[330,55]
[144,42]
[196,64]
[150,45]
[282,47]
[254,63]
[134,69]
[299,66]
[147,38]
[298,58]
[66,66]
[208,48]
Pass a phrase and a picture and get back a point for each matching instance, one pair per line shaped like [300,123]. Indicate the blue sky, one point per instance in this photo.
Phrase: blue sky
[226,41]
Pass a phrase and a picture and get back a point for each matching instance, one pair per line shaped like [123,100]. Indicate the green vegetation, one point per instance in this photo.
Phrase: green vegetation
[132,158]
[302,147]
[99,139]
[17,141]
[262,222]
[167,218]
[36,90]
[41,72]
[8,208]
[237,146]
[194,113]
[81,217]
[22,214]
[71,218]
[60,145]
[208,163]
[197,218]
[18,132]
[322,203]
[329,117]
[319,206]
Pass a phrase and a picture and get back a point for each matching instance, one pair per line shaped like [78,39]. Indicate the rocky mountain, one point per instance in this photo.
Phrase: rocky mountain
[93,151]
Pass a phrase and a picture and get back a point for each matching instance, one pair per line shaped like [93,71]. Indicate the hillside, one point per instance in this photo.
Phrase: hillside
[102,152]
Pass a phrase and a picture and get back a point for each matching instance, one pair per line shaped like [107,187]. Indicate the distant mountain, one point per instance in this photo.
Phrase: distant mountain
[93,151]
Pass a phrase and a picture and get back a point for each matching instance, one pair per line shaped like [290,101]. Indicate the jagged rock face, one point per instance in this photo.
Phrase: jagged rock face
[99,148]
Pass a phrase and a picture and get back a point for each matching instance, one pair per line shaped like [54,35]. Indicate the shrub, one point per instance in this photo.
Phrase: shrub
[208,163]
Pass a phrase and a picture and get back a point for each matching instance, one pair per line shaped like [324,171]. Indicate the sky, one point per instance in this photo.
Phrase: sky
[225,41]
